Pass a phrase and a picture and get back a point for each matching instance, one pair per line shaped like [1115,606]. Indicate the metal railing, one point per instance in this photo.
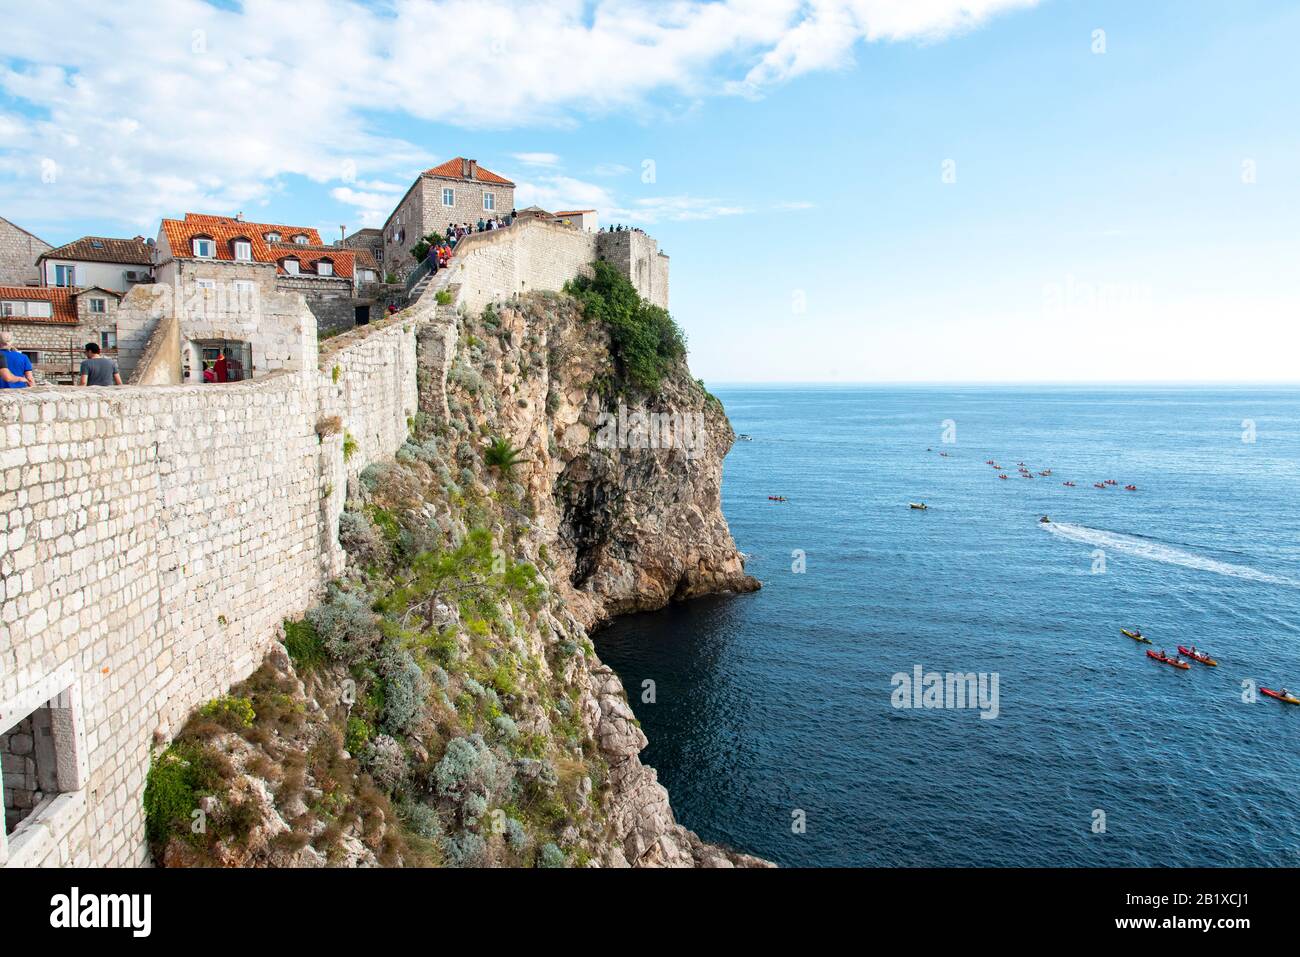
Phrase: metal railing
[418,273]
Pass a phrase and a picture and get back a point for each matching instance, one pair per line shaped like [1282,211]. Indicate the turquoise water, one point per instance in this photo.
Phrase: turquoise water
[780,702]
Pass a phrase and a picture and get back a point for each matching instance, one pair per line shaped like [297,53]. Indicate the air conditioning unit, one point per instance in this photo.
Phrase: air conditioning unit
[133,275]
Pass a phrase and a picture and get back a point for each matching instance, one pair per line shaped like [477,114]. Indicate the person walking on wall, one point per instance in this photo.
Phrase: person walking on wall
[20,367]
[97,369]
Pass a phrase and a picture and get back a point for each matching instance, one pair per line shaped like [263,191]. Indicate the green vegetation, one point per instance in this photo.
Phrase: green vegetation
[349,445]
[421,249]
[304,645]
[502,456]
[177,779]
[646,342]
[336,372]
[230,712]
[442,297]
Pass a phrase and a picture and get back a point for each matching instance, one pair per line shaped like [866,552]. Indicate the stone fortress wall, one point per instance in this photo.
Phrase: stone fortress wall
[154,537]
[534,254]
[152,540]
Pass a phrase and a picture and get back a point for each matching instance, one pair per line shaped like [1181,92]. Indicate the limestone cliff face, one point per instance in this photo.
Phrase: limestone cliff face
[629,513]
[628,486]
[445,703]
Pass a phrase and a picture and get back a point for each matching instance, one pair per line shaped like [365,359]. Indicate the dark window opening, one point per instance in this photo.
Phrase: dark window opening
[29,759]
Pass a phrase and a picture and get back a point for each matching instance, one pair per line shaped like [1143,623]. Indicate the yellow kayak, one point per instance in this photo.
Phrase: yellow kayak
[1135,636]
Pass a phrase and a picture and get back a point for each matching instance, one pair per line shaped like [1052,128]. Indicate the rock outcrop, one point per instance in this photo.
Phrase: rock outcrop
[445,704]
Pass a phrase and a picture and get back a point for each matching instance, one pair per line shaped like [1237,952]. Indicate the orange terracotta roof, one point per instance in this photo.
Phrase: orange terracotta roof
[63,307]
[308,255]
[102,249]
[365,259]
[572,212]
[224,230]
[454,169]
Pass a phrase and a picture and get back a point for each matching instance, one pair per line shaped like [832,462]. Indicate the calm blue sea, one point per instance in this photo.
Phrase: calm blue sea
[780,702]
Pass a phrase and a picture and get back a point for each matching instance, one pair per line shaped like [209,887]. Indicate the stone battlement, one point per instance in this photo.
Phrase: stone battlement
[533,254]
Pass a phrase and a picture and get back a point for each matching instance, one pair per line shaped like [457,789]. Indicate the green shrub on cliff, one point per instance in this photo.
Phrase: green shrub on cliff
[646,341]
[176,780]
[502,456]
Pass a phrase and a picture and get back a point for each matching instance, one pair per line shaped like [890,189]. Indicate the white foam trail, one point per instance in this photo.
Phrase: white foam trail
[1142,548]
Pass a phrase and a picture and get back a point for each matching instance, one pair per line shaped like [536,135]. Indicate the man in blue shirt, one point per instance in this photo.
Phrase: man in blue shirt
[20,367]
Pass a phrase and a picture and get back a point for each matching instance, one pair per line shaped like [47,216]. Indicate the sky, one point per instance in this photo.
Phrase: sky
[850,190]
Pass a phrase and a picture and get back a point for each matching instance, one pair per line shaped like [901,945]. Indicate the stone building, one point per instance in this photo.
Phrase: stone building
[371,241]
[457,191]
[116,264]
[224,278]
[19,251]
[584,219]
[51,325]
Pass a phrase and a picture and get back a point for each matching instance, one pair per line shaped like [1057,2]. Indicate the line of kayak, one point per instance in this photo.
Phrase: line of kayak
[1180,662]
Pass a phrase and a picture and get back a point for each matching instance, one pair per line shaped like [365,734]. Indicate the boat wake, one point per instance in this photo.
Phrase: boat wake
[1155,551]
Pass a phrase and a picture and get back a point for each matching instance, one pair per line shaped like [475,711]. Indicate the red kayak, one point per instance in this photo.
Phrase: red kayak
[1166,660]
[1198,656]
[1289,699]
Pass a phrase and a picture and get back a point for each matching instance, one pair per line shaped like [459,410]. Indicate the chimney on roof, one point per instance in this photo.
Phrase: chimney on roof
[239,216]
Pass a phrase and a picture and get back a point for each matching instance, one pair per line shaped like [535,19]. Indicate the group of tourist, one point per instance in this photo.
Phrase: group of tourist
[621,229]
[458,231]
[225,368]
[16,370]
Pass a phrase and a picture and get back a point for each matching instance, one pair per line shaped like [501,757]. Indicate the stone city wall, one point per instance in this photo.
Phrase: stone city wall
[152,541]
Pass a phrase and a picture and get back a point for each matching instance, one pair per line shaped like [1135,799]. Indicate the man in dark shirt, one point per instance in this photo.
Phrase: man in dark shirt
[98,370]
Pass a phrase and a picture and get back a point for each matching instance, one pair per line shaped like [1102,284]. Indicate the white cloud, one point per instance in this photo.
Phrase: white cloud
[151,109]
[537,159]
[660,209]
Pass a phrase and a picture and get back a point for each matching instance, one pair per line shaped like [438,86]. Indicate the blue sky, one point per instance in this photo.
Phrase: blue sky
[1120,215]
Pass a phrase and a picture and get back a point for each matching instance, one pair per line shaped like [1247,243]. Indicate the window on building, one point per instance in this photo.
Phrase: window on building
[98,306]
[108,339]
[448,196]
[33,357]
[324,268]
[272,237]
[290,266]
[42,752]
[489,202]
[65,275]
[300,239]
[40,310]
[22,307]
[206,284]
[204,248]
[243,251]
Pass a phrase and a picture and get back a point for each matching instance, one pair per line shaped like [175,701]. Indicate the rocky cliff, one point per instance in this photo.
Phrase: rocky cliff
[444,704]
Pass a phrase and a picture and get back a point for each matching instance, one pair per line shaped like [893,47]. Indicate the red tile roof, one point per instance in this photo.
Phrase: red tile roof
[224,230]
[63,306]
[365,259]
[102,249]
[454,169]
[308,255]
